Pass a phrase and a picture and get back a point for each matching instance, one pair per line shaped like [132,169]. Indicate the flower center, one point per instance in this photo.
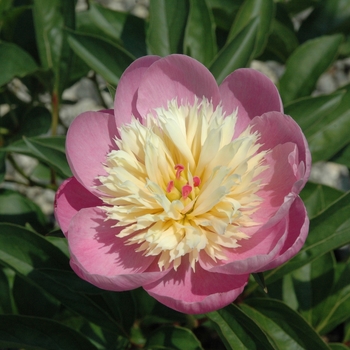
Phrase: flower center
[179,185]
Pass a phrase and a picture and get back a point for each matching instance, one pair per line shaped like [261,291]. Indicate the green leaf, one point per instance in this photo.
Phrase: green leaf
[50,19]
[328,231]
[176,338]
[122,27]
[338,346]
[342,157]
[38,333]
[263,10]
[224,12]
[335,13]
[33,301]
[18,209]
[285,328]
[260,280]
[36,121]
[336,308]
[309,112]
[306,290]
[49,150]
[24,251]
[2,165]
[318,197]
[46,266]
[237,330]
[200,40]
[235,54]
[306,65]
[71,291]
[330,135]
[14,62]
[107,59]
[167,22]
[5,294]
[282,41]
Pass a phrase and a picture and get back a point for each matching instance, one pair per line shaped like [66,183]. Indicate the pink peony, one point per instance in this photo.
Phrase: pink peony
[185,188]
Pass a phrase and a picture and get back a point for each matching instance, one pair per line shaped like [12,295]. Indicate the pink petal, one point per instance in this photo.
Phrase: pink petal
[196,292]
[103,259]
[175,76]
[70,198]
[252,92]
[255,252]
[280,183]
[297,232]
[126,94]
[276,128]
[89,140]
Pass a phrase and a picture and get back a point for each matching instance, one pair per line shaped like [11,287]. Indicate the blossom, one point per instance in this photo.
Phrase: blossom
[186,187]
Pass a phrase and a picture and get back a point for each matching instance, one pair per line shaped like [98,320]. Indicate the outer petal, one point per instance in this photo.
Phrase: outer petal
[175,76]
[196,292]
[298,229]
[252,92]
[281,183]
[276,128]
[126,94]
[257,251]
[89,140]
[70,198]
[103,259]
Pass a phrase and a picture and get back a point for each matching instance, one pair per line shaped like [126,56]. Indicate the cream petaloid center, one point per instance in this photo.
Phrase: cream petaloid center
[180,187]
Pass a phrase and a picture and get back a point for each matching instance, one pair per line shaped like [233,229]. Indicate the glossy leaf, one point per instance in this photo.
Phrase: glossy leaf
[2,164]
[24,250]
[335,13]
[308,289]
[170,337]
[285,328]
[107,59]
[282,41]
[338,346]
[328,231]
[306,65]
[224,12]
[237,330]
[167,22]
[50,19]
[318,197]
[200,40]
[36,121]
[71,291]
[121,27]
[49,150]
[336,309]
[33,301]
[330,135]
[235,54]
[5,294]
[14,62]
[343,156]
[309,112]
[18,209]
[37,333]
[261,9]
[43,264]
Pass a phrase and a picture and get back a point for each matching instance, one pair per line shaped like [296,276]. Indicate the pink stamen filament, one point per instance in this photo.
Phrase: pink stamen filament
[170,186]
[196,181]
[179,168]
[186,190]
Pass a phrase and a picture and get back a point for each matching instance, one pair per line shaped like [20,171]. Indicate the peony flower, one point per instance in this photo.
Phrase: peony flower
[186,187]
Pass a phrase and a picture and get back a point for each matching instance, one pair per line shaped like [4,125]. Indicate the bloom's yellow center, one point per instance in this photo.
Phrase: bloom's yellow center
[180,186]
